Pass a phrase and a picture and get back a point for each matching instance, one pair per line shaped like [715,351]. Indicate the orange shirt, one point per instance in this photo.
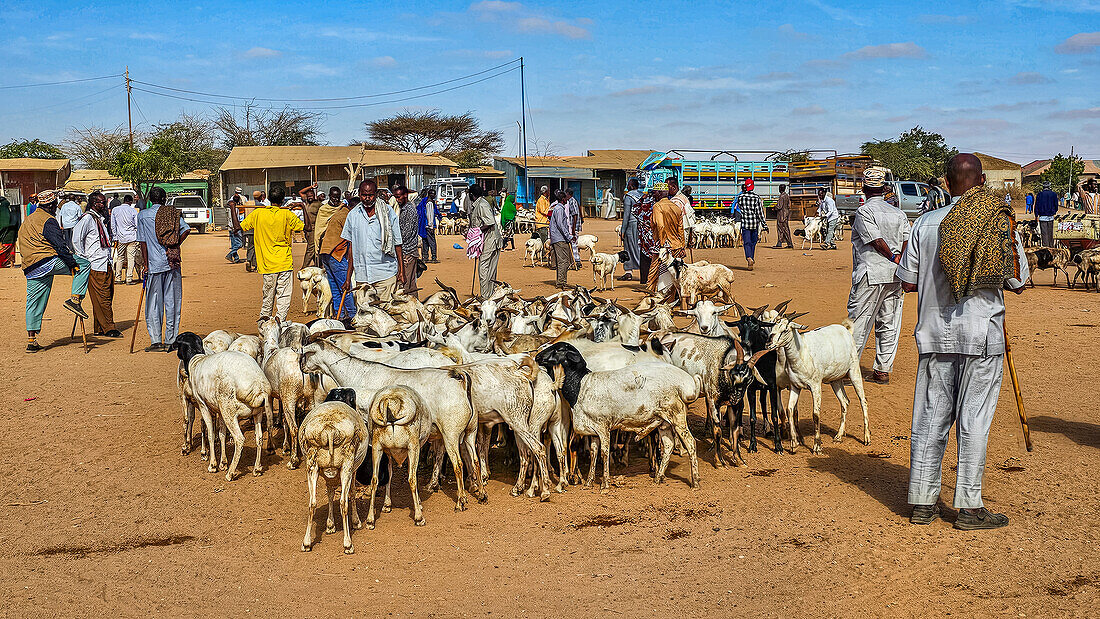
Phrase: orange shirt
[542,211]
[668,224]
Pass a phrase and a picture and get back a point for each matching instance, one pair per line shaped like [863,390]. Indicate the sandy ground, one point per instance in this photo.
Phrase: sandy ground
[103,515]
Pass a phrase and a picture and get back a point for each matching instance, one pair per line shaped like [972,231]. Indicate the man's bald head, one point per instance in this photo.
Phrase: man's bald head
[964,172]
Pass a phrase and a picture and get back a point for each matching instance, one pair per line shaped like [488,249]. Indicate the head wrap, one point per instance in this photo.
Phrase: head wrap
[659,186]
[47,196]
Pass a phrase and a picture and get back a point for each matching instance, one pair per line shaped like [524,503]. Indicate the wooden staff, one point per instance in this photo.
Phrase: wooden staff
[83,334]
[473,276]
[1016,390]
[141,301]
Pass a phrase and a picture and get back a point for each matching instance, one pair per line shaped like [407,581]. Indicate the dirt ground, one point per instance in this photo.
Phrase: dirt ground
[103,515]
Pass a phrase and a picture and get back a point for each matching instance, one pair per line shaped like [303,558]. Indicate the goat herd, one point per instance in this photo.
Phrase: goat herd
[570,375]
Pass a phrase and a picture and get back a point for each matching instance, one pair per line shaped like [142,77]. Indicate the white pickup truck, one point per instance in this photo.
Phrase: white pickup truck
[911,196]
[195,212]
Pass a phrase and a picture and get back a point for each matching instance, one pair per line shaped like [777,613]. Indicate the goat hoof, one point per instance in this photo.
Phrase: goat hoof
[185,451]
[866,439]
[286,451]
[330,530]
[306,548]
[483,497]
[838,438]
[516,491]
[292,465]
[545,496]
[349,550]
[659,480]
[420,522]
[386,509]
[370,526]
[816,449]
[257,472]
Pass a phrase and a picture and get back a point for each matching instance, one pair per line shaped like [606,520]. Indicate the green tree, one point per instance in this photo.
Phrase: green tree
[197,137]
[460,137]
[164,160]
[35,149]
[1062,173]
[915,155]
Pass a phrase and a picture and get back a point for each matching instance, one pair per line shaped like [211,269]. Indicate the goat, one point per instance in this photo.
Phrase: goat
[700,278]
[639,398]
[825,355]
[313,281]
[249,345]
[454,423]
[707,317]
[230,384]
[1088,267]
[811,229]
[1057,258]
[587,242]
[603,268]
[218,341]
[755,332]
[400,425]
[334,442]
[532,250]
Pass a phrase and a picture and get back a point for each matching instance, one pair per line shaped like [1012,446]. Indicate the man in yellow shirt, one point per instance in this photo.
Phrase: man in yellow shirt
[274,228]
[542,218]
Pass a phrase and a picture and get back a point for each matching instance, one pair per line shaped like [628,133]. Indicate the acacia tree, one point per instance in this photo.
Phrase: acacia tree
[35,149]
[197,138]
[164,160]
[98,147]
[459,137]
[915,155]
[267,127]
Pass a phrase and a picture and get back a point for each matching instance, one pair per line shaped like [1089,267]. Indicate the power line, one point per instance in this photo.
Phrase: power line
[354,98]
[338,107]
[83,79]
[64,103]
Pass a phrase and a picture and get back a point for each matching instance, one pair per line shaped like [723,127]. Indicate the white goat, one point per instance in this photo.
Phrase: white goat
[825,355]
[218,341]
[603,270]
[708,318]
[699,278]
[400,425]
[533,251]
[587,242]
[812,229]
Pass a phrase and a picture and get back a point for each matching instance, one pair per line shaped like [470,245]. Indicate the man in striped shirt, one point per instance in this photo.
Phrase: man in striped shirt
[752,219]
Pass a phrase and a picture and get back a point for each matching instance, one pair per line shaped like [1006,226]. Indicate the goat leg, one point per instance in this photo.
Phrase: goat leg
[347,477]
[311,480]
[376,461]
[414,458]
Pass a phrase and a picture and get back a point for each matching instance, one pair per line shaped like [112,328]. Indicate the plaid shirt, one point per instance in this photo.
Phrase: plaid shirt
[752,211]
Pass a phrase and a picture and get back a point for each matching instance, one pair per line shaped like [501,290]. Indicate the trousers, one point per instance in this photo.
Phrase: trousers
[337,270]
[101,290]
[276,295]
[128,255]
[235,243]
[427,247]
[563,261]
[408,269]
[38,291]
[960,390]
[163,304]
[1046,233]
[783,232]
[487,272]
[749,238]
[879,305]
[250,248]
[830,232]
[310,258]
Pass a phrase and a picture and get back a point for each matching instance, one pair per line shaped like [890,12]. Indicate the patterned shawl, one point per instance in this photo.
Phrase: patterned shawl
[167,227]
[978,243]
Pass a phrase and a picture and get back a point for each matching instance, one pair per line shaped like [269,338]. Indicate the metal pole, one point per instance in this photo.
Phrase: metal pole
[1069,192]
[129,117]
[523,127]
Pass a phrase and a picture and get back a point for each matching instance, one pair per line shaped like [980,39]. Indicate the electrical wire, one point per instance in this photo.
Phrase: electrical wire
[340,107]
[67,102]
[83,79]
[330,99]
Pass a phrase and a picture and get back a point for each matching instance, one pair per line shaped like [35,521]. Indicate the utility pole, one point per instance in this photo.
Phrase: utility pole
[129,117]
[1069,192]
[523,128]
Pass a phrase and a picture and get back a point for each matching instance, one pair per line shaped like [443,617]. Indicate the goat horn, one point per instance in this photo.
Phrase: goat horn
[740,351]
[740,310]
[757,311]
[756,357]
[782,307]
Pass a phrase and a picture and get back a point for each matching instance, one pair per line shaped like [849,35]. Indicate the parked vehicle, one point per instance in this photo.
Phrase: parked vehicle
[119,190]
[195,212]
[911,196]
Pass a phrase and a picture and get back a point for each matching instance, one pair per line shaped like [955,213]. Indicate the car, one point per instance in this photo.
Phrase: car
[911,196]
[195,212]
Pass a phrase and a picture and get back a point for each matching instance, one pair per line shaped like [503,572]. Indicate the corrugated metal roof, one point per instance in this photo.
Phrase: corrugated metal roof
[1092,167]
[85,181]
[594,160]
[33,165]
[260,157]
[485,170]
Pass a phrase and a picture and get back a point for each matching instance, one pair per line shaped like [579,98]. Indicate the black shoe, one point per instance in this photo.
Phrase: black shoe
[76,309]
[34,347]
[113,333]
[979,519]
[925,514]
[154,348]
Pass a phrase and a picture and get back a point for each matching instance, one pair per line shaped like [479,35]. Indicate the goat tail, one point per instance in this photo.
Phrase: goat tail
[529,369]
[329,435]
[847,324]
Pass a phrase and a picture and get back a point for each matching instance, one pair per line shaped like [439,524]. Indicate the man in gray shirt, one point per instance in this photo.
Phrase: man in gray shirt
[880,231]
[960,344]
[485,217]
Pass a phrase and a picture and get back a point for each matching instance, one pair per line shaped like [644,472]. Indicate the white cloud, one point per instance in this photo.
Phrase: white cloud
[313,69]
[812,110]
[495,6]
[789,31]
[1071,6]
[382,61]
[145,36]
[1029,78]
[261,52]
[525,19]
[1092,112]
[947,20]
[1080,43]
[888,50]
[837,13]
[542,24]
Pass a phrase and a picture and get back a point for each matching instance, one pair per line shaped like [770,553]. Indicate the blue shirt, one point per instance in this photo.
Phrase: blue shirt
[68,214]
[147,233]
[365,234]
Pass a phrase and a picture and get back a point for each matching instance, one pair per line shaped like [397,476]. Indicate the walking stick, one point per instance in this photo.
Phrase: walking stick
[83,334]
[344,291]
[141,301]
[473,277]
[1016,390]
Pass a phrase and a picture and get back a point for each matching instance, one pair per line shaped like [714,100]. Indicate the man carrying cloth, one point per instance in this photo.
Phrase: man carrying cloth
[374,242]
[960,259]
[161,231]
[46,253]
[667,222]
[273,228]
[879,234]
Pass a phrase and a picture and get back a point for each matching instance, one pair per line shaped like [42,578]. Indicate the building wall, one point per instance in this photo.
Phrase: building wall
[299,177]
[31,182]
[1001,179]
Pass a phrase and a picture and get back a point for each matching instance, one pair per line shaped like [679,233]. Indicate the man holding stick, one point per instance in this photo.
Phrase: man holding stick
[960,259]
[374,243]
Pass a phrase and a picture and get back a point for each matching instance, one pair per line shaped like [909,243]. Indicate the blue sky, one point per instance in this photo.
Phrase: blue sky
[1014,78]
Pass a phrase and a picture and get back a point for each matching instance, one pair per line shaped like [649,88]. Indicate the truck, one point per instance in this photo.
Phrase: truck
[194,210]
[715,176]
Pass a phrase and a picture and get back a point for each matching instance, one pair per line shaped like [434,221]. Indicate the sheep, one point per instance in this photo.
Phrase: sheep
[587,242]
[249,345]
[334,440]
[811,229]
[603,268]
[400,425]
[533,250]
[218,341]
[1088,266]
[230,384]
[1057,258]
[699,278]
[295,391]
[825,355]
[639,398]
[454,423]
[324,324]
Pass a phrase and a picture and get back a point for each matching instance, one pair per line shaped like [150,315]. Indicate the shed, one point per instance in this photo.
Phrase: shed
[23,177]
[1000,173]
[589,175]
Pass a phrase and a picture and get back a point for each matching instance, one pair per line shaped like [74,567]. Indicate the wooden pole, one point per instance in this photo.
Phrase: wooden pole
[129,117]
[1016,391]
[141,301]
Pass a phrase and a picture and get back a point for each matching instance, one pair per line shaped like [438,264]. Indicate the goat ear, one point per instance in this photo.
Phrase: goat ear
[729,366]
[721,309]
[757,376]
